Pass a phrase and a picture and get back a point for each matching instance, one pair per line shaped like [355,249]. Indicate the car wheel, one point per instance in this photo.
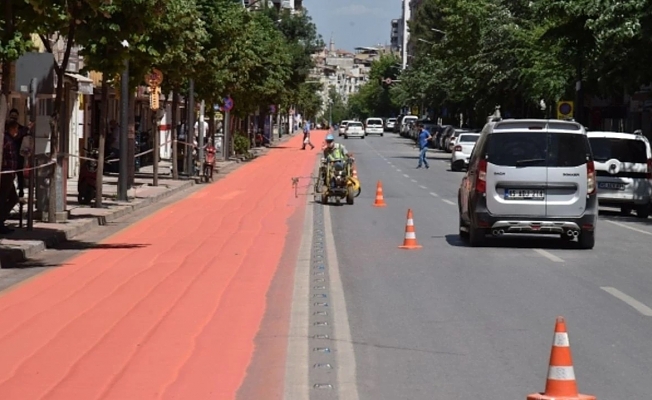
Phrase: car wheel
[346,137]
[382,134]
[643,211]
[453,167]
[476,236]
[625,211]
[364,136]
[586,240]
[464,235]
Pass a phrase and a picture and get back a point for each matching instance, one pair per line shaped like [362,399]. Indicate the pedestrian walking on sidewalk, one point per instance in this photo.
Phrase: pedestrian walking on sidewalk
[424,138]
[306,136]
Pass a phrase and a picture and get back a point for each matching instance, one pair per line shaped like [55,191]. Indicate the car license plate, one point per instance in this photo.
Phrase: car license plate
[524,194]
[611,185]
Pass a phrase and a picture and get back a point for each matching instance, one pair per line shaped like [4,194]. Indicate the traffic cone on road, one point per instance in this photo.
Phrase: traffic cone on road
[561,384]
[410,240]
[380,200]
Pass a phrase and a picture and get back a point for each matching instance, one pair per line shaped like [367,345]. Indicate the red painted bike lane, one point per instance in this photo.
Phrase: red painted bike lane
[166,309]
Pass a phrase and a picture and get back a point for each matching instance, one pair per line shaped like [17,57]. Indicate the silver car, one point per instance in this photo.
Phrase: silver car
[530,176]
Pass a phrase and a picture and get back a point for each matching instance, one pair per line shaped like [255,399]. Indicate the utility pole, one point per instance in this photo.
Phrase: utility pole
[123,177]
[190,128]
[200,142]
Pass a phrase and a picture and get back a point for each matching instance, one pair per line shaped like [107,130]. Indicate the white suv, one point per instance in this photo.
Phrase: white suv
[342,127]
[623,163]
[530,176]
[374,126]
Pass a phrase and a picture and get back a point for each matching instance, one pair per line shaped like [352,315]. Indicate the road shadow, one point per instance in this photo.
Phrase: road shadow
[515,241]
[613,215]
[14,258]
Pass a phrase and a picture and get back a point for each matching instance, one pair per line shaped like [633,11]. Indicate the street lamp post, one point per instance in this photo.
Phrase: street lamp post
[124,129]
[330,113]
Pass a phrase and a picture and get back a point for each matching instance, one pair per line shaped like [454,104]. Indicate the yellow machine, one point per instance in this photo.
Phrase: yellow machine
[335,180]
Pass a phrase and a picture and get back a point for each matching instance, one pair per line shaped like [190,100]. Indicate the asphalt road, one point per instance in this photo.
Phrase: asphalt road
[453,322]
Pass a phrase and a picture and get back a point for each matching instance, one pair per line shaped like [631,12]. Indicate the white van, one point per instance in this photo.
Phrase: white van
[374,126]
[623,163]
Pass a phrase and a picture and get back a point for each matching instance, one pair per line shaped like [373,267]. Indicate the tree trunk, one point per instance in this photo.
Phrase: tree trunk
[56,127]
[174,123]
[102,142]
[131,140]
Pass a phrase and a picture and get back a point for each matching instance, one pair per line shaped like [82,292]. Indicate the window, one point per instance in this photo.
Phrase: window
[624,150]
[537,149]
[469,138]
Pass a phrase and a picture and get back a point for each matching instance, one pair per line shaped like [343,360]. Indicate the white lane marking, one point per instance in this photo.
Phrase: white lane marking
[448,202]
[398,170]
[406,175]
[413,180]
[422,187]
[637,305]
[297,382]
[549,255]
[630,227]
[345,361]
[434,194]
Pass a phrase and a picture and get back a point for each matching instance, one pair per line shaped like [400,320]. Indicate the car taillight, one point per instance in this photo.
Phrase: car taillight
[481,179]
[590,177]
[458,148]
[649,168]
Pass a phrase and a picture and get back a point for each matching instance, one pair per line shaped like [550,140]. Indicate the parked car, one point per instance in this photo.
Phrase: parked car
[389,124]
[374,126]
[447,131]
[462,149]
[530,176]
[342,127]
[405,124]
[354,129]
[623,164]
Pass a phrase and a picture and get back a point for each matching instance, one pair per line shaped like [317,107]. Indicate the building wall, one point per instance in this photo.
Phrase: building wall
[406,16]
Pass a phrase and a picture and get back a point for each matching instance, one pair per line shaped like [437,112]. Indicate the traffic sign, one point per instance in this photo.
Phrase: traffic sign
[228,104]
[565,109]
[388,81]
[154,77]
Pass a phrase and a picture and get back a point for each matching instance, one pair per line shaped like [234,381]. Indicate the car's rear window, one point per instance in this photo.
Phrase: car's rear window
[537,149]
[623,150]
[469,138]
[358,124]
[375,122]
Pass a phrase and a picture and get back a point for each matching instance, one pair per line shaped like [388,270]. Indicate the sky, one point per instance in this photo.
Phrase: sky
[354,23]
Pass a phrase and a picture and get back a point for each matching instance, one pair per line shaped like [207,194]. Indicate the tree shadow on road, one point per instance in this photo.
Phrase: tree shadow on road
[517,242]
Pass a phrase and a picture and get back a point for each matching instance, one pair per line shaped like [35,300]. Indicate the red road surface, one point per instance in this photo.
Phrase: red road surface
[170,310]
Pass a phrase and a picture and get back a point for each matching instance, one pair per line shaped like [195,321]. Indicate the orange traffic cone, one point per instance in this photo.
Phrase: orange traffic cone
[410,241]
[380,200]
[561,384]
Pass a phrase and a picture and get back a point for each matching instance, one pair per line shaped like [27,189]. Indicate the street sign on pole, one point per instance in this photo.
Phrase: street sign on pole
[228,104]
[123,165]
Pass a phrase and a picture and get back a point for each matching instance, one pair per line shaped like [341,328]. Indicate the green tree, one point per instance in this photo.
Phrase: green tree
[375,98]
[115,32]
[14,41]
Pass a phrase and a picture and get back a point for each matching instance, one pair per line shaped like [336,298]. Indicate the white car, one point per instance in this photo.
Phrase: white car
[623,164]
[342,127]
[462,149]
[354,129]
[389,124]
[374,126]
[405,124]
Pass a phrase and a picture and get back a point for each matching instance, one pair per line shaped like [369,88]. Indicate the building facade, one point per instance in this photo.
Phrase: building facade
[405,31]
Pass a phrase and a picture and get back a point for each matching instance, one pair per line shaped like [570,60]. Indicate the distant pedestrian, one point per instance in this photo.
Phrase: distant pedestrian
[424,138]
[306,136]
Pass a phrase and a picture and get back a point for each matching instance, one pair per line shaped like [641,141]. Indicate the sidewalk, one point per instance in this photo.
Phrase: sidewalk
[169,307]
[22,245]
